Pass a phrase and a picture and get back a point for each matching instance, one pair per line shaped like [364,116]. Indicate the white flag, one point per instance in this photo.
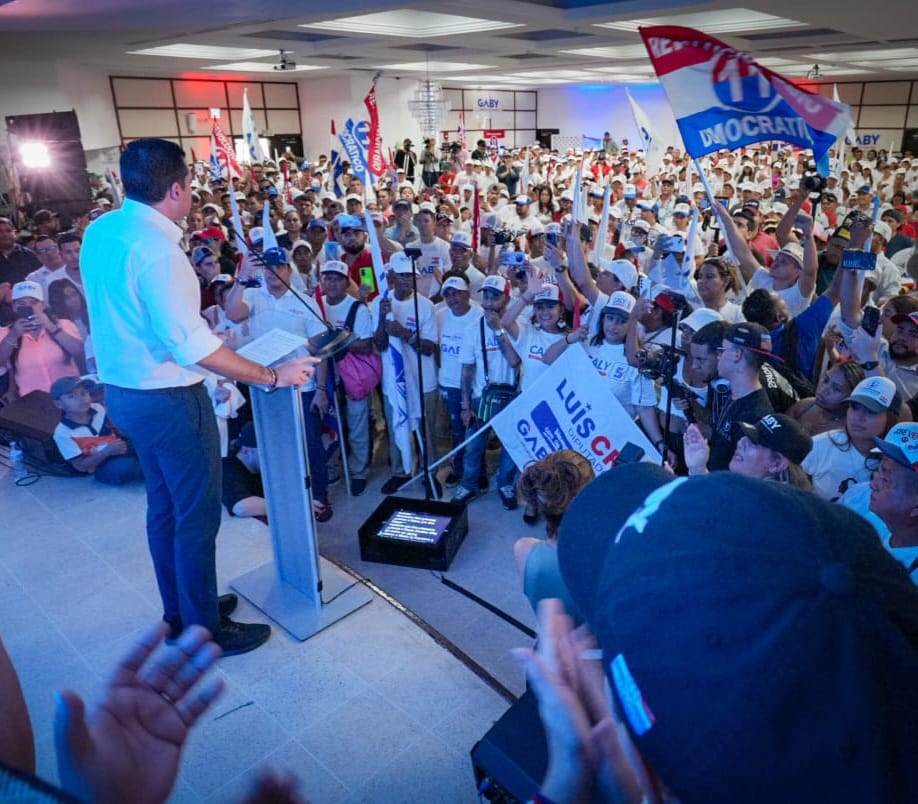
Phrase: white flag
[653,146]
[250,131]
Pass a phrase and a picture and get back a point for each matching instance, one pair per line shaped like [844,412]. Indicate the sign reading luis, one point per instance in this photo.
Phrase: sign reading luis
[569,407]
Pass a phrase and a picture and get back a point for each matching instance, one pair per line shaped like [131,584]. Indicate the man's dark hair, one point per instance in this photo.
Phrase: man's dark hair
[149,167]
[710,335]
[746,215]
[761,307]
[68,237]
[895,214]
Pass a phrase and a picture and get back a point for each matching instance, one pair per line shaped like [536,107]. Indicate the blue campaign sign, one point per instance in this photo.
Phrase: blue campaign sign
[354,147]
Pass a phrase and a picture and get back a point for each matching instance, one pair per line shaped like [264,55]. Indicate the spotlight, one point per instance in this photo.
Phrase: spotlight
[34,155]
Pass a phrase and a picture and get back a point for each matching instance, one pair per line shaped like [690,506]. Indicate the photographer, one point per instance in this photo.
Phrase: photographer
[39,348]
[406,160]
[430,164]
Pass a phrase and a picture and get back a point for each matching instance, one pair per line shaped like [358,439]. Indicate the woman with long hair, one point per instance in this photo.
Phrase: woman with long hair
[827,409]
[714,278]
[66,301]
[545,211]
[844,456]
[549,486]
[771,449]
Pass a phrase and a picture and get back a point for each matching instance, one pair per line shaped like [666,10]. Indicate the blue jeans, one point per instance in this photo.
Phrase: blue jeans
[318,461]
[174,432]
[118,470]
[452,401]
[475,459]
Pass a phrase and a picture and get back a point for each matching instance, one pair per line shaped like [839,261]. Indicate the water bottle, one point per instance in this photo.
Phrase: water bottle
[17,459]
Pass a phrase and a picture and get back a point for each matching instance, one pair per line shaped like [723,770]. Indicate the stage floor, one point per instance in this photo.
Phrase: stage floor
[374,708]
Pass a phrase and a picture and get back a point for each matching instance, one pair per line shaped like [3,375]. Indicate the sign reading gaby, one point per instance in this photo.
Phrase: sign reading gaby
[569,407]
[724,99]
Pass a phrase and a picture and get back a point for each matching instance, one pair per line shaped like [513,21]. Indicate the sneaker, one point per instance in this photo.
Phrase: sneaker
[530,514]
[394,483]
[226,605]
[464,495]
[452,479]
[321,509]
[507,496]
[236,638]
[358,486]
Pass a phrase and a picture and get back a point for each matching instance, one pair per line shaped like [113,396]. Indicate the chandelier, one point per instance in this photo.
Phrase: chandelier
[428,106]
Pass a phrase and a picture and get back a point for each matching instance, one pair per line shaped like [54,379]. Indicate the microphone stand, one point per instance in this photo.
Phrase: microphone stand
[330,344]
[429,494]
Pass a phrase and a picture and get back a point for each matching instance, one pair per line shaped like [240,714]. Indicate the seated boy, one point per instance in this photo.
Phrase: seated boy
[87,439]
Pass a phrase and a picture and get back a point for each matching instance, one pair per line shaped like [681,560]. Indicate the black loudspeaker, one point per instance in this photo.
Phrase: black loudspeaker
[64,185]
[910,141]
[511,759]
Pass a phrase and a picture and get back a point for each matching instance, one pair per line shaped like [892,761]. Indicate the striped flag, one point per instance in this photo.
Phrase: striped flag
[225,151]
[722,98]
[216,171]
[653,145]
[334,157]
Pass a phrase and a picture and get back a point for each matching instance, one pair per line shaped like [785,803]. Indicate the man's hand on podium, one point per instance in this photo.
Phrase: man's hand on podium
[295,372]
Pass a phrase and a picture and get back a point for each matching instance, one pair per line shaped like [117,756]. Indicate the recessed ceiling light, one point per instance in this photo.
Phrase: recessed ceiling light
[612,52]
[435,66]
[411,23]
[183,50]
[261,67]
[866,55]
[728,20]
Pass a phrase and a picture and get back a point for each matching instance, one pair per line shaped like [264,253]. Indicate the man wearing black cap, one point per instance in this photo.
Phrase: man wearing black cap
[769,662]
[744,349]
[47,223]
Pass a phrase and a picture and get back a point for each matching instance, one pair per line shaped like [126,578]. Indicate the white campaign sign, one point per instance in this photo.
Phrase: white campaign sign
[569,407]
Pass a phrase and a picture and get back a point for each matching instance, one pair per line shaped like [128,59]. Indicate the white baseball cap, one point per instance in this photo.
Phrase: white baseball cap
[334,267]
[496,283]
[548,293]
[455,282]
[27,290]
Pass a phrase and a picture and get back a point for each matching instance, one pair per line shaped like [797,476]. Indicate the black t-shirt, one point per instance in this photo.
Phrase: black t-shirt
[239,483]
[749,408]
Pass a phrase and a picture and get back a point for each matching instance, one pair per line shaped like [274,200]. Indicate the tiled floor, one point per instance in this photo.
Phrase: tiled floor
[372,709]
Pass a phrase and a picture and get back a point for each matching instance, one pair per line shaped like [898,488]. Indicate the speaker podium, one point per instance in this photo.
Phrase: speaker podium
[290,590]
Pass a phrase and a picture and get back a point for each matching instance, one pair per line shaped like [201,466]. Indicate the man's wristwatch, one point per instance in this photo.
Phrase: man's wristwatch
[870,365]
[560,269]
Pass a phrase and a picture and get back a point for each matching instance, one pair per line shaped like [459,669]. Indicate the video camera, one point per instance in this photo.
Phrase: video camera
[660,363]
[812,182]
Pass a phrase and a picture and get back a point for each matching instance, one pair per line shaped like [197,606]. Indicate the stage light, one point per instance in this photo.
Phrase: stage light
[34,155]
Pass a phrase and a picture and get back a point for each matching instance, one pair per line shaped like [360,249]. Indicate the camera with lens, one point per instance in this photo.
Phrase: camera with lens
[812,182]
[513,259]
[503,236]
[658,363]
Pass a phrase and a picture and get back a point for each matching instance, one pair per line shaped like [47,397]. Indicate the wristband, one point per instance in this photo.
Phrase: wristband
[870,365]
[273,383]
[55,333]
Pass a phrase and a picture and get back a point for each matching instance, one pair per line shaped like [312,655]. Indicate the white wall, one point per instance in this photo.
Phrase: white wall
[324,99]
[592,110]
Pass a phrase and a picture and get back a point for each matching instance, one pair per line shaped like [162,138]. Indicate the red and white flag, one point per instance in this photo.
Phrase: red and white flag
[376,162]
[225,151]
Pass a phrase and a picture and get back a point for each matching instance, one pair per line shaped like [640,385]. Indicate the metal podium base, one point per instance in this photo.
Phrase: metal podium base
[295,612]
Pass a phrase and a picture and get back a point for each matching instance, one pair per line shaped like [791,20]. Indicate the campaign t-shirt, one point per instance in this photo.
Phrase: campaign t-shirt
[403,310]
[452,331]
[500,372]
[627,384]
[531,344]
[834,464]
[434,257]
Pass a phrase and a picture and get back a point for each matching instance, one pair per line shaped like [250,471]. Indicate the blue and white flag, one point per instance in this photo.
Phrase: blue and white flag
[216,169]
[250,131]
[722,98]
[654,149]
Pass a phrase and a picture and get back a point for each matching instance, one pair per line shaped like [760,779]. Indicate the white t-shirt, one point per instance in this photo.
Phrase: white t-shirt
[500,372]
[434,256]
[796,301]
[65,436]
[830,465]
[403,310]
[452,331]
[627,384]
[531,344]
[336,315]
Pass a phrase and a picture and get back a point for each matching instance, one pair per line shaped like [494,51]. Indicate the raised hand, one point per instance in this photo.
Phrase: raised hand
[128,747]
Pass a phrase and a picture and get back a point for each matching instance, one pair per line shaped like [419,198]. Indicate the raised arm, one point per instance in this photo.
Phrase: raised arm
[786,224]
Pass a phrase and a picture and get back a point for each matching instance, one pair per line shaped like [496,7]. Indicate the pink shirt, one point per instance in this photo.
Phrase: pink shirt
[40,361]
